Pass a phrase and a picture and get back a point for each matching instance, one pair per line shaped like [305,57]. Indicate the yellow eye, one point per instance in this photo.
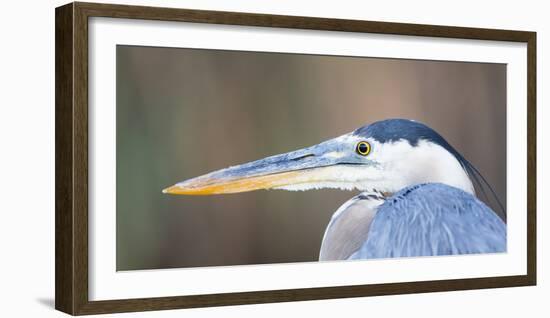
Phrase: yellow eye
[363,148]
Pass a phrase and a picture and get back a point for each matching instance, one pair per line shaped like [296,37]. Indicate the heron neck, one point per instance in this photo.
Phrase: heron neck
[434,164]
[425,162]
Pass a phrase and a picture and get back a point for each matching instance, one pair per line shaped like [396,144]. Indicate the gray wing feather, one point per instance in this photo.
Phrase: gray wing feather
[348,228]
[433,219]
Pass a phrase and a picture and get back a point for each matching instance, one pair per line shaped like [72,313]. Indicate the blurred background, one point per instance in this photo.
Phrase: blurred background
[185,112]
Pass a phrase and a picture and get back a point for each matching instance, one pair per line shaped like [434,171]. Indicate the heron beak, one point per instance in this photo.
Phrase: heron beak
[206,186]
[298,167]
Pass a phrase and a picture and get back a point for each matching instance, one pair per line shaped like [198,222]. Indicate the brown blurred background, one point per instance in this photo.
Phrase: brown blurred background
[186,112]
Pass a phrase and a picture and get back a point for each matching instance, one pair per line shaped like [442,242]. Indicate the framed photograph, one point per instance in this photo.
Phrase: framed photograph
[211,158]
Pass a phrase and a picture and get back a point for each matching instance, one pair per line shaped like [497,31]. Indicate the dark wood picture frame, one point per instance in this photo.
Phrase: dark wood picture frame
[71,157]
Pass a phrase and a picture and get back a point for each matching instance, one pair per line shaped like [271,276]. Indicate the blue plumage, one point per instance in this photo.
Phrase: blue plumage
[433,219]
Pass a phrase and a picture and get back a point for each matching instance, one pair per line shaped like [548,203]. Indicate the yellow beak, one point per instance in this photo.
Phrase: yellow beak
[206,185]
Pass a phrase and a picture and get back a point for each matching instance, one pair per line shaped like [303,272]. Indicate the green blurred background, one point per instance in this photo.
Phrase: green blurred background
[185,112]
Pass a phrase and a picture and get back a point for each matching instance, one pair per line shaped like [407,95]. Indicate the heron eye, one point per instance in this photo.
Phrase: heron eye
[363,148]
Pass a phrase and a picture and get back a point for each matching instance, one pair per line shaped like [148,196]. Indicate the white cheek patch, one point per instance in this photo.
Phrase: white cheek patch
[404,165]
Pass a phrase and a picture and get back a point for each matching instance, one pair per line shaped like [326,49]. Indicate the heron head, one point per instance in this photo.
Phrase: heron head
[384,156]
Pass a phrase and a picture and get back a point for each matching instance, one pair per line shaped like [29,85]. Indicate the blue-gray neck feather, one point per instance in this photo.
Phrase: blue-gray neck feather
[412,131]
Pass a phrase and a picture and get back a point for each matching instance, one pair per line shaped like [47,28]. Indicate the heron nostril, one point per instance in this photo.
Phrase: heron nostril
[303,157]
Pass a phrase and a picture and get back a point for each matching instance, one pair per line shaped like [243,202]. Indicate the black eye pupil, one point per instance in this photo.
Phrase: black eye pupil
[363,148]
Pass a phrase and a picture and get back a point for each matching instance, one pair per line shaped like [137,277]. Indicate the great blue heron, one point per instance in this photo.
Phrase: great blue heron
[417,196]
